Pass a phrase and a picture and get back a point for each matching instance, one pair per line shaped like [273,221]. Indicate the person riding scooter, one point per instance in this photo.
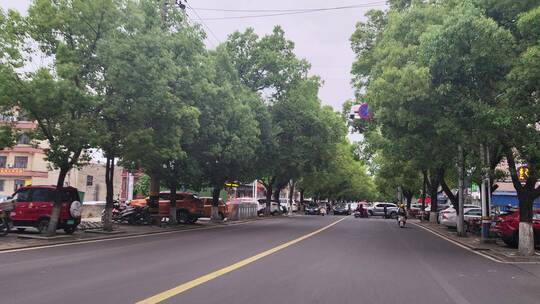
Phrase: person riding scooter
[361,211]
[402,215]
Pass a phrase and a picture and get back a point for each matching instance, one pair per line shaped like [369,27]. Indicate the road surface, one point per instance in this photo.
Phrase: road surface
[350,261]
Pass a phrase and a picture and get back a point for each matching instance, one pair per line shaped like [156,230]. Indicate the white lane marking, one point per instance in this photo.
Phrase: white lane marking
[469,249]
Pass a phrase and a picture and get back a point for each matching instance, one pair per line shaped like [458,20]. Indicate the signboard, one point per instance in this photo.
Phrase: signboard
[11,171]
[523,173]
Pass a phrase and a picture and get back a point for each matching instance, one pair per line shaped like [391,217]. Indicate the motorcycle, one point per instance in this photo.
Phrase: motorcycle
[361,214]
[5,220]
[401,221]
[133,215]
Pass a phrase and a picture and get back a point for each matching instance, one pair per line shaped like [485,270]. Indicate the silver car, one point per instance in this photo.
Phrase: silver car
[378,209]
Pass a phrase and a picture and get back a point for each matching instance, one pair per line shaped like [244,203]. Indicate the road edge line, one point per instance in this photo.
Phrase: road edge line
[487,256]
[112,238]
[167,294]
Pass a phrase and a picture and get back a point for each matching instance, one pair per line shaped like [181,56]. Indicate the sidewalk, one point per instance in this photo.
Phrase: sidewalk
[31,238]
[498,250]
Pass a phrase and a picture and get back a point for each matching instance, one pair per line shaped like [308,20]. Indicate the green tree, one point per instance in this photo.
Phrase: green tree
[518,120]
[11,44]
[229,133]
[63,102]
[148,112]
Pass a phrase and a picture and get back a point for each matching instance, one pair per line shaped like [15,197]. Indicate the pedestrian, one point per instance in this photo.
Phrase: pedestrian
[385,211]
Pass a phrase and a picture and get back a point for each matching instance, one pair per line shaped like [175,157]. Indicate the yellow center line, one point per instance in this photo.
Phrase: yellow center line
[213,275]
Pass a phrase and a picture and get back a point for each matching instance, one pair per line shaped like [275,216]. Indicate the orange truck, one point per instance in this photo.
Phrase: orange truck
[189,208]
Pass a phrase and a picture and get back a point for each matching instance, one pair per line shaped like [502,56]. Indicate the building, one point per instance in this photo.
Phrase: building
[25,164]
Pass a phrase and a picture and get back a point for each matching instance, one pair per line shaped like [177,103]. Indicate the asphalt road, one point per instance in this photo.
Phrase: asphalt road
[353,261]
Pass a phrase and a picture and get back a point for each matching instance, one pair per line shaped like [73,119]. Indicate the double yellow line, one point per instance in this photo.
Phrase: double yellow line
[208,277]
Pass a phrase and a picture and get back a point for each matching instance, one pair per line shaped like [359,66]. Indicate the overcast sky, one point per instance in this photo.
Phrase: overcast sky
[320,37]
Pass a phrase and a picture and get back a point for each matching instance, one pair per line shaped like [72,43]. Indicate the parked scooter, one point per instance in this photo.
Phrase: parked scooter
[4,223]
[5,219]
[134,215]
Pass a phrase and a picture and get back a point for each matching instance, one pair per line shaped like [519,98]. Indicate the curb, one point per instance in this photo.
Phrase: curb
[484,252]
[121,236]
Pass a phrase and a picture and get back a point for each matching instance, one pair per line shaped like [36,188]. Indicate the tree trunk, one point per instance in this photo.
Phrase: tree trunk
[55,215]
[277,192]
[153,201]
[424,183]
[454,199]
[526,196]
[268,194]
[301,205]
[461,231]
[291,196]
[408,197]
[215,204]
[433,186]
[173,220]
[109,201]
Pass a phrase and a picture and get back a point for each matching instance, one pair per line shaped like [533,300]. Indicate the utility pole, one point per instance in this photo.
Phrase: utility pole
[486,195]
[460,225]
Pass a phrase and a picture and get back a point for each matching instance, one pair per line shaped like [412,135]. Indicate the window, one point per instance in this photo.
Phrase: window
[23,139]
[22,196]
[474,212]
[42,195]
[2,182]
[89,180]
[70,195]
[17,184]
[3,161]
[21,162]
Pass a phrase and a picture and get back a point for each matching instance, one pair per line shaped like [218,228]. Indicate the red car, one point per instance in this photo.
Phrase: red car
[189,208]
[34,204]
[507,227]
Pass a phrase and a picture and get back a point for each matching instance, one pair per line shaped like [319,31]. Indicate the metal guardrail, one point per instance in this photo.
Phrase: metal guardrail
[242,211]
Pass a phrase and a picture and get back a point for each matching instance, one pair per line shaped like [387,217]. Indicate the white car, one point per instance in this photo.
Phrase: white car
[274,208]
[449,219]
[378,209]
[452,210]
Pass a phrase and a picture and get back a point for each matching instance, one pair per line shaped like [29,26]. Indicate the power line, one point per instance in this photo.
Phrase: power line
[204,24]
[291,10]
[278,14]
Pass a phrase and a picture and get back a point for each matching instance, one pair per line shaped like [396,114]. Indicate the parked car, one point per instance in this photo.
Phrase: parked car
[507,227]
[222,208]
[189,208]
[449,216]
[34,204]
[451,209]
[378,209]
[274,207]
[342,209]
[312,209]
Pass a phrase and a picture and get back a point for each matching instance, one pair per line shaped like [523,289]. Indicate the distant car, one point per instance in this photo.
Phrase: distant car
[451,209]
[378,209]
[274,207]
[312,209]
[341,209]
[449,217]
[34,204]
[507,227]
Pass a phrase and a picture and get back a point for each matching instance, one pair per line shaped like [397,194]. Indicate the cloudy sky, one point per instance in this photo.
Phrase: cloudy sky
[321,37]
